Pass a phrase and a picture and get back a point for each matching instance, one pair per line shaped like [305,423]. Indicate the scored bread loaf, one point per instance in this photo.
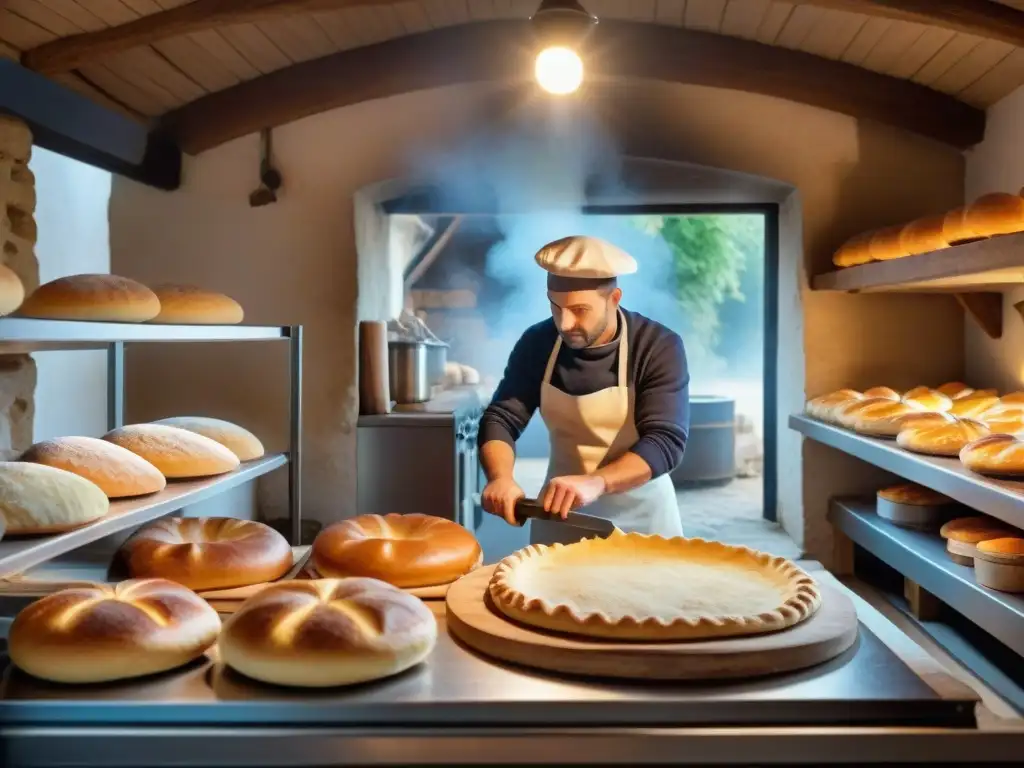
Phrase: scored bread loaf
[408,551]
[997,213]
[928,399]
[956,390]
[854,251]
[997,455]
[100,633]
[940,439]
[176,452]
[12,292]
[38,499]
[117,471]
[191,305]
[327,632]
[846,415]
[955,229]
[924,235]
[886,244]
[973,407]
[884,392]
[241,442]
[92,297]
[207,552]
[885,420]
[822,407]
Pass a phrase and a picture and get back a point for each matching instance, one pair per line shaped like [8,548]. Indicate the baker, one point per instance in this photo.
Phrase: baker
[612,387]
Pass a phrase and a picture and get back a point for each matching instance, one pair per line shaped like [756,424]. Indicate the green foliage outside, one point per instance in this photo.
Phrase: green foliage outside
[718,262]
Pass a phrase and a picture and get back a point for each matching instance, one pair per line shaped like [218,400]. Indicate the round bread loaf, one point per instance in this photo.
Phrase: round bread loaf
[12,292]
[912,493]
[1008,547]
[821,407]
[886,244]
[941,439]
[207,552]
[92,297]
[973,407]
[846,415]
[884,420]
[102,633]
[998,455]
[38,499]
[241,442]
[924,235]
[928,399]
[176,452]
[327,632]
[1012,399]
[191,305]
[854,251]
[1005,421]
[971,530]
[956,390]
[117,471]
[887,393]
[955,229]
[404,550]
[997,213]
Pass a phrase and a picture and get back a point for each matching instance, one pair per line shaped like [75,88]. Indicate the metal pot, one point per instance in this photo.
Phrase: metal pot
[413,367]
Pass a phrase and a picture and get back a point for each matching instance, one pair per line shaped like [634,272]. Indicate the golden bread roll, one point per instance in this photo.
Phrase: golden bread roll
[39,499]
[1006,421]
[327,632]
[822,407]
[972,530]
[207,552]
[912,493]
[176,452]
[241,442]
[956,390]
[973,407]
[928,399]
[117,471]
[985,393]
[996,455]
[846,415]
[997,213]
[12,292]
[888,422]
[924,235]
[92,297]
[854,251]
[885,392]
[1013,398]
[941,439]
[191,305]
[403,550]
[954,227]
[886,244]
[101,633]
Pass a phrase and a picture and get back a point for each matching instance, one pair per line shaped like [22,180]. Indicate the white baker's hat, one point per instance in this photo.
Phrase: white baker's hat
[587,258]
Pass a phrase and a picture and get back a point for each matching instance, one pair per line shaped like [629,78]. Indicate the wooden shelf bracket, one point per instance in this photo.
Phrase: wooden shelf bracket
[986,309]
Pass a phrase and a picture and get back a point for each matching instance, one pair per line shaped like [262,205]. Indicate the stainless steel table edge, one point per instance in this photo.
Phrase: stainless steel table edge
[213,747]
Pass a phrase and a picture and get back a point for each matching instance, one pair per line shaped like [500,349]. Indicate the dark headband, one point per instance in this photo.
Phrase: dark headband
[560,284]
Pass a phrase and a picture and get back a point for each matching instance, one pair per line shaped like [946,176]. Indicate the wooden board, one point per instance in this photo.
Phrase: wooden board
[827,634]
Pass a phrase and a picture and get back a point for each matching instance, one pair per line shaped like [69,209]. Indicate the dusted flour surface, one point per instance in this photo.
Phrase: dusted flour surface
[631,586]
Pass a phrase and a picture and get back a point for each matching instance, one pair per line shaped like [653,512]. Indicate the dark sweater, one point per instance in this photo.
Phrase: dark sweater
[657,373]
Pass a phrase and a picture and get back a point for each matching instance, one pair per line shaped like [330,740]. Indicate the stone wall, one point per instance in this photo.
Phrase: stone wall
[17,251]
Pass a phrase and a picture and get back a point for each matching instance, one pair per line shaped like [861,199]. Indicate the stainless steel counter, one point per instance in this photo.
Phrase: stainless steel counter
[447,709]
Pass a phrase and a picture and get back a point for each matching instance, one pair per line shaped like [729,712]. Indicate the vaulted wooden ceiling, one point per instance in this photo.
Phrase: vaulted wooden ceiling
[215,69]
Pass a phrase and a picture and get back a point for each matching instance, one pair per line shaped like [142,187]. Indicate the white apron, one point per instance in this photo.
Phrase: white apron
[589,431]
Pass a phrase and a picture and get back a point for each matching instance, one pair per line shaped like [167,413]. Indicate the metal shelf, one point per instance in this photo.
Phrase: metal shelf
[19,554]
[999,498]
[31,334]
[922,558]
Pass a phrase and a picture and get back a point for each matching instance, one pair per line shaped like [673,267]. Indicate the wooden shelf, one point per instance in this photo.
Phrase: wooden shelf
[982,266]
[20,553]
[999,498]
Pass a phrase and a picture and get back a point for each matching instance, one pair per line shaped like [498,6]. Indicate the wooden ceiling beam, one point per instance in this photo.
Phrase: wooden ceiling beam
[983,18]
[978,17]
[67,53]
[502,52]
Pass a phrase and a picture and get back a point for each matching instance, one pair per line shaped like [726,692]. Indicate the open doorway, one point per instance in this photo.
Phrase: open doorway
[708,273]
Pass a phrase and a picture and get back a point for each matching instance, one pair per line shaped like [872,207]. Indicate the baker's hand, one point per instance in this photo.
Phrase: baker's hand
[499,497]
[563,494]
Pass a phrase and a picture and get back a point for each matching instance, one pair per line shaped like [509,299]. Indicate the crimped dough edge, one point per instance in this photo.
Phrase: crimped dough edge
[800,601]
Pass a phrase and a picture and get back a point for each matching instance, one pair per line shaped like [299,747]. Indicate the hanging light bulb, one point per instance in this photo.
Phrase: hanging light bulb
[560,26]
